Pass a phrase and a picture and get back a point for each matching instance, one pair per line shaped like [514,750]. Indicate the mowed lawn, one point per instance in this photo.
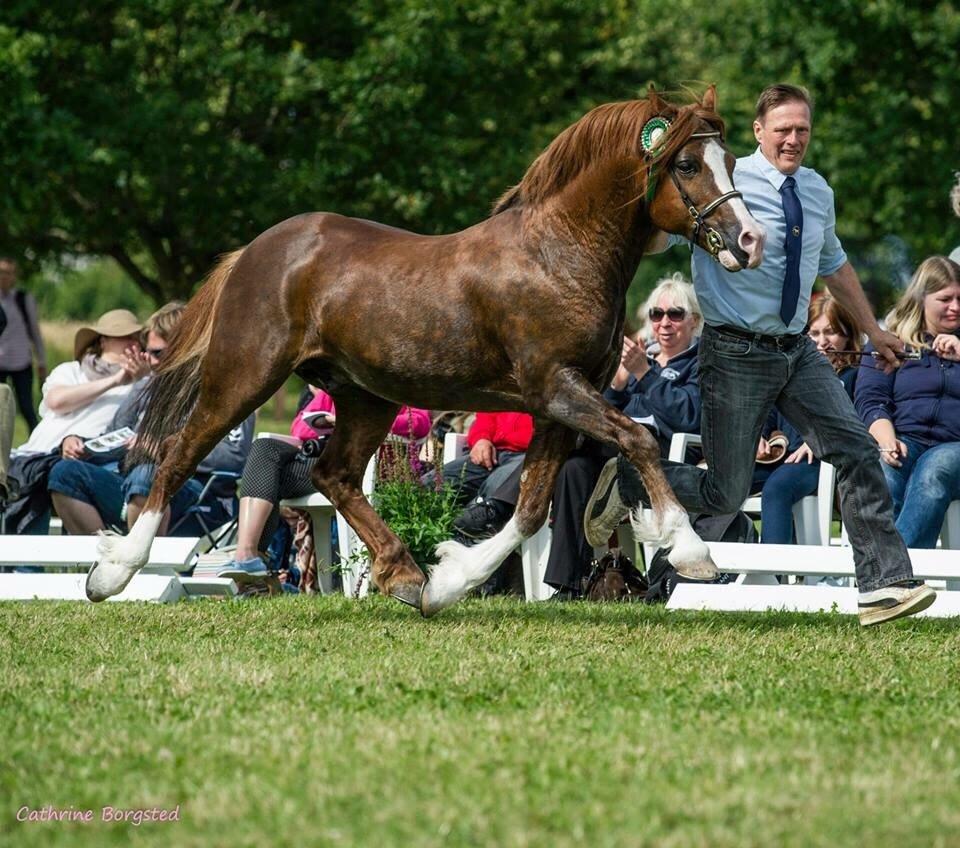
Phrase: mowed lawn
[324,721]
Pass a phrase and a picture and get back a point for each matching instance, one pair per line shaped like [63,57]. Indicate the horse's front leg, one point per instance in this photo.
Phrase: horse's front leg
[571,399]
[462,568]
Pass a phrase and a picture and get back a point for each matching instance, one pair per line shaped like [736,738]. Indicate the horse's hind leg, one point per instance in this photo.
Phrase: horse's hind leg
[226,398]
[363,420]
[461,568]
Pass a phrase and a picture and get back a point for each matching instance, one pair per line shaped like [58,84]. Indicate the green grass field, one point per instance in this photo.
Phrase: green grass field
[323,721]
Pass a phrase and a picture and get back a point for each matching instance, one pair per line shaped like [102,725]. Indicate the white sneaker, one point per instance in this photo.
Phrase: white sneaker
[896,601]
[605,509]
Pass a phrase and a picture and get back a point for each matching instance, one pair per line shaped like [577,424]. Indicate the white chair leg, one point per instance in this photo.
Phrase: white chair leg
[950,532]
[806,521]
[534,553]
[322,547]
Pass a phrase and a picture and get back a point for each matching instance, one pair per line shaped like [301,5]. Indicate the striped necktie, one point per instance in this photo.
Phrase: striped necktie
[793,215]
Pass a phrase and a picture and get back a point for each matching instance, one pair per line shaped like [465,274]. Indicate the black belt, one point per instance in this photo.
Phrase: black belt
[788,341]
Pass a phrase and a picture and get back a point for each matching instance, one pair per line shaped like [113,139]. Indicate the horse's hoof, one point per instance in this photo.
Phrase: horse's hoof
[104,580]
[440,594]
[428,607]
[703,570]
[408,593]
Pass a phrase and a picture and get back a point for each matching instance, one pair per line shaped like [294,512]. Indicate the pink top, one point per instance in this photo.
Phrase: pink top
[411,423]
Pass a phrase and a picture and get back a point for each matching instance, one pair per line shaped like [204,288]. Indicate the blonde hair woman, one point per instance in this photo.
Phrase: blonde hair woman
[914,413]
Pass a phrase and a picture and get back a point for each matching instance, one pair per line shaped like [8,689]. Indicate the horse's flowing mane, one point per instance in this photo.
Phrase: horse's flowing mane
[608,132]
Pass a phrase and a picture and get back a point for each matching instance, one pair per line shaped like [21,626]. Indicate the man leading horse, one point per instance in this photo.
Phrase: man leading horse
[754,353]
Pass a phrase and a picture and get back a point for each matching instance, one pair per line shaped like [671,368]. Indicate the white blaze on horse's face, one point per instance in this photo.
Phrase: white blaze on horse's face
[752,235]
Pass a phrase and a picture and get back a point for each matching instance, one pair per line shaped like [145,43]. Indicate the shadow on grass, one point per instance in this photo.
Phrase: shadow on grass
[317,611]
[495,611]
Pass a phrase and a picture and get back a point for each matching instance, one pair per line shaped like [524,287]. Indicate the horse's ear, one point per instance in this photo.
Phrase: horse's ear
[656,104]
[709,101]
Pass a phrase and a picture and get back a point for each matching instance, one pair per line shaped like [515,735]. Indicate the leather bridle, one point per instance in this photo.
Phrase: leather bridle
[714,241]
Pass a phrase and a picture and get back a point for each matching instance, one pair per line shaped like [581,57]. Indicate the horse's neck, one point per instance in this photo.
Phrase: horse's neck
[601,219]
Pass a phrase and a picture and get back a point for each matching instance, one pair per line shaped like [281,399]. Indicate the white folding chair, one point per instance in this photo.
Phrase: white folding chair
[534,552]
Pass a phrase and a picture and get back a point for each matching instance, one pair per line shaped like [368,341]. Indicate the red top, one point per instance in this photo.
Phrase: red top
[510,431]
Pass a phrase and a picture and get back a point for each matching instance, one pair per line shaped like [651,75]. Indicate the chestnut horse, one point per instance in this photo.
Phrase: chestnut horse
[523,311]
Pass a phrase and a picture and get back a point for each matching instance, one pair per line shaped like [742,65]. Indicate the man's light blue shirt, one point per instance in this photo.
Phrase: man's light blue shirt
[750,299]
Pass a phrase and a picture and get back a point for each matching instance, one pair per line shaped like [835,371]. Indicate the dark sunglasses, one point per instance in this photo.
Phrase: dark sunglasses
[155,352]
[674,313]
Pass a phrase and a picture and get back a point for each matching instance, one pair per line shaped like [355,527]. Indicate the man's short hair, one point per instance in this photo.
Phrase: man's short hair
[776,95]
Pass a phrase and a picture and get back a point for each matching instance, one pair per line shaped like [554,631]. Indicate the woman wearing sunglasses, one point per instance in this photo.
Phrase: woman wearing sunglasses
[657,384]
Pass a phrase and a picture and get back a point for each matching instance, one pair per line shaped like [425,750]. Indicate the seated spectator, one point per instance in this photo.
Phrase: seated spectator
[488,478]
[782,485]
[276,470]
[914,412]
[80,399]
[90,493]
[656,385]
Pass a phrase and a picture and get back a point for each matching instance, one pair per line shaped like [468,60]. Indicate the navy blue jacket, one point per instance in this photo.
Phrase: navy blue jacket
[921,398]
[671,394]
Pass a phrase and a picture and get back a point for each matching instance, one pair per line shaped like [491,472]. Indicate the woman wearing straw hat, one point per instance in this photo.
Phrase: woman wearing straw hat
[79,401]
[80,397]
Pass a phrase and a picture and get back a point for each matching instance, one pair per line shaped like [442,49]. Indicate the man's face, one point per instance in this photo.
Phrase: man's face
[8,274]
[784,134]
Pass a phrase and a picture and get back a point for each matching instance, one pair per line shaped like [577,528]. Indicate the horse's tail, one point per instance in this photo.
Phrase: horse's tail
[172,391]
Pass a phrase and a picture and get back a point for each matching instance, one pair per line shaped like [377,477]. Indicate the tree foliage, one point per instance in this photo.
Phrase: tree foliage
[163,132]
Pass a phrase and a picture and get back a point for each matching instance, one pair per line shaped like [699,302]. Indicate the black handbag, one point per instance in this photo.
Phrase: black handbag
[614,578]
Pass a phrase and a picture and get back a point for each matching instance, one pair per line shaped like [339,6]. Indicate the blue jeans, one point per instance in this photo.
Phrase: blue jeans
[138,483]
[922,488]
[786,485]
[740,380]
[96,485]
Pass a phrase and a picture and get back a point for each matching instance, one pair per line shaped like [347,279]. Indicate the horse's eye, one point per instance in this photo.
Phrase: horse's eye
[686,168]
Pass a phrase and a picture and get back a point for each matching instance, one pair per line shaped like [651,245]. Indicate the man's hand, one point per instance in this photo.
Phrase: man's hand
[41,373]
[947,346]
[844,285]
[484,453]
[72,448]
[887,345]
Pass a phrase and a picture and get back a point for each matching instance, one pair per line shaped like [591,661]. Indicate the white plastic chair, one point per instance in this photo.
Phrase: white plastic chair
[812,515]
[534,552]
[321,511]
